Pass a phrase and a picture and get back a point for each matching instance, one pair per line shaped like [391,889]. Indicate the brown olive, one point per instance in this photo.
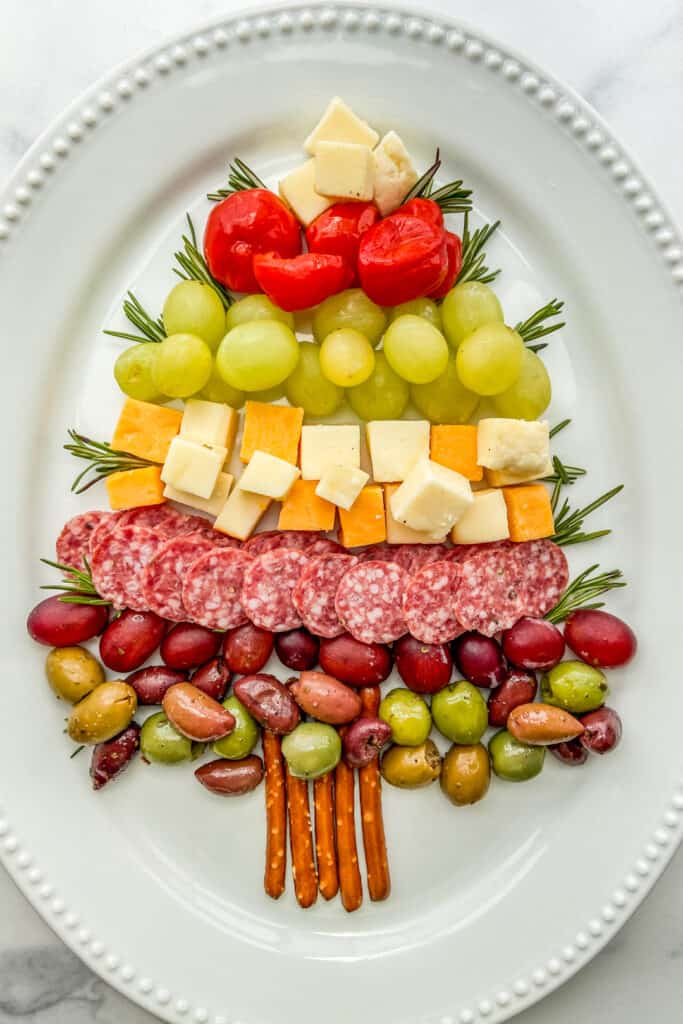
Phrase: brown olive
[466,774]
[73,672]
[412,767]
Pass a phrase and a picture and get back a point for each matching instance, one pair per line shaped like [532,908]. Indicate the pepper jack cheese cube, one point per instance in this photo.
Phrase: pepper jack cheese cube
[268,475]
[323,447]
[340,124]
[516,446]
[364,522]
[394,173]
[341,485]
[241,514]
[398,533]
[344,170]
[209,423]
[275,429]
[485,520]
[432,498]
[298,191]
[455,445]
[212,505]
[193,467]
[302,509]
[395,446]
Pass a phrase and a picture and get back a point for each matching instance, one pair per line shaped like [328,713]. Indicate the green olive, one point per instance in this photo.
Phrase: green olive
[103,713]
[575,686]
[407,715]
[466,774]
[311,750]
[512,760]
[244,736]
[73,672]
[412,767]
[460,713]
[161,743]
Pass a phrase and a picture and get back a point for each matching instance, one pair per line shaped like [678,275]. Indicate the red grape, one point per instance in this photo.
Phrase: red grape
[130,639]
[212,678]
[603,730]
[519,688]
[599,638]
[480,659]
[534,644]
[247,648]
[59,623]
[571,752]
[188,645]
[424,668]
[297,649]
[353,662]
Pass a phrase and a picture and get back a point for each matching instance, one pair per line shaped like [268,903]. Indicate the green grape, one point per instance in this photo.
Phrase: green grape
[490,360]
[308,388]
[415,349]
[426,308]
[383,396]
[183,365]
[346,357]
[216,390]
[257,355]
[530,395]
[351,308]
[134,370]
[466,307]
[255,307]
[445,400]
[194,308]
[269,394]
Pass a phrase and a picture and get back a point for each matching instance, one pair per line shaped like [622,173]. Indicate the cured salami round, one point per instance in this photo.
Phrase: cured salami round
[73,543]
[428,603]
[164,575]
[103,529]
[489,597]
[212,588]
[460,552]
[161,518]
[315,592]
[369,602]
[198,524]
[118,563]
[267,590]
[543,575]
[299,540]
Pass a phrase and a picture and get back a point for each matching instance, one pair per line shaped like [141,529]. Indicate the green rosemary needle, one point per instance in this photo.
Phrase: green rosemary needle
[473,266]
[193,267]
[452,198]
[535,326]
[581,592]
[137,315]
[77,586]
[104,460]
[240,178]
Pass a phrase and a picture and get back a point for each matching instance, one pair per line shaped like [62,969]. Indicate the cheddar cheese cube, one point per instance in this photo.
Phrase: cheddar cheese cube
[298,191]
[134,488]
[274,429]
[395,446]
[212,505]
[518,446]
[241,514]
[146,430]
[326,446]
[340,124]
[209,423]
[364,522]
[303,509]
[485,520]
[455,446]
[344,170]
[268,475]
[399,533]
[341,485]
[193,467]
[530,515]
[506,478]
[431,498]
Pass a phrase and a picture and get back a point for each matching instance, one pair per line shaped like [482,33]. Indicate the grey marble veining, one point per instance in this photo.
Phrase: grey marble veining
[624,57]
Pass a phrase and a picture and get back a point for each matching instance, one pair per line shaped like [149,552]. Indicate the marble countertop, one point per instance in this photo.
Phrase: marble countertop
[627,60]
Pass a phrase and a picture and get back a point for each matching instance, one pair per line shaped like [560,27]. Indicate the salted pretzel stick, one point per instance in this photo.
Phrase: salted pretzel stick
[325,847]
[276,816]
[347,852]
[301,841]
[370,789]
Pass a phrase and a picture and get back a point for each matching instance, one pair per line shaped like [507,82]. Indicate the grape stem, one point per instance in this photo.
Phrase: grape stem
[452,198]
[473,267]
[240,179]
[581,592]
[535,326]
[104,460]
[77,586]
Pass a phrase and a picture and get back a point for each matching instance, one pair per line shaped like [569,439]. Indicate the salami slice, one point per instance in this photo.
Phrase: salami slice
[316,546]
[161,518]
[369,602]
[198,524]
[544,575]
[460,552]
[489,597]
[267,591]
[73,543]
[118,563]
[164,575]
[428,603]
[315,592]
[212,588]
[103,529]
[273,540]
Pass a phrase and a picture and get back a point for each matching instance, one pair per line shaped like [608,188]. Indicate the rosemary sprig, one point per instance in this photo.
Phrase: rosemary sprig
[104,460]
[581,592]
[76,751]
[77,586]
[535,326]
[240,178]
[562,474]
[473,267]
[554,431]
[452,198]
[422,189]
[137,315]
[193,266]
[569,523]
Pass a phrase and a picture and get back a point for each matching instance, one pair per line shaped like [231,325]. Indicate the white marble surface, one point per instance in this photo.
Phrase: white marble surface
[624,57]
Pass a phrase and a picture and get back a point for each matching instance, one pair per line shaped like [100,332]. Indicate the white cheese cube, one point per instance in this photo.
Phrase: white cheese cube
[432,498]
[268,475]
[209,423]
[241,513]
[505,478]
[485,520]
[344,170]
[193,467]
[340,124]
[211,505]
[517,446]
[322,447]
[298,191]
[399,533]
[395,446]
[394,173]
[341,485]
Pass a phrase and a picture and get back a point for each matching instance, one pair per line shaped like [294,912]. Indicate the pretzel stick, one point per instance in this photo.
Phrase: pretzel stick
[370,788]
[326,853]
[276,816]
[347,853]
[301,841]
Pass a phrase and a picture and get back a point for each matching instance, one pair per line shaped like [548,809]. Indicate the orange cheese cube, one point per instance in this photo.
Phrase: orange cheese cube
[364,522]
[135,487]
[302,509]
[529,513]
[274,429]
[146,430]
[455,446]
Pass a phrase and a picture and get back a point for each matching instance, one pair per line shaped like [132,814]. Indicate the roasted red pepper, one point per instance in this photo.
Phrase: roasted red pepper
[402,258]
[303,281]
[454,254]
[338,230]
[424,209]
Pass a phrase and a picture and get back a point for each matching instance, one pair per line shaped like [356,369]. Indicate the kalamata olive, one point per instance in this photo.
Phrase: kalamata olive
[599,638]
[269,702]
[518,688]
[408,717]
[130,639]
[111,758]
[297,649]
[247,648]
[533,644]
[574,686]
[58,623]
[311,750]
[231,778]
[411,767]
[512,760]
[466,774]
[196,715]
[189,646]
[161,743]
[460,713]
[355,663]
[363,740]
[425,668]
[602,730]
[72,672]
[572,752]
[542,725]
[479,659]
[151,683]
[243,737]
[212,678]
[103,713]
[326,698]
